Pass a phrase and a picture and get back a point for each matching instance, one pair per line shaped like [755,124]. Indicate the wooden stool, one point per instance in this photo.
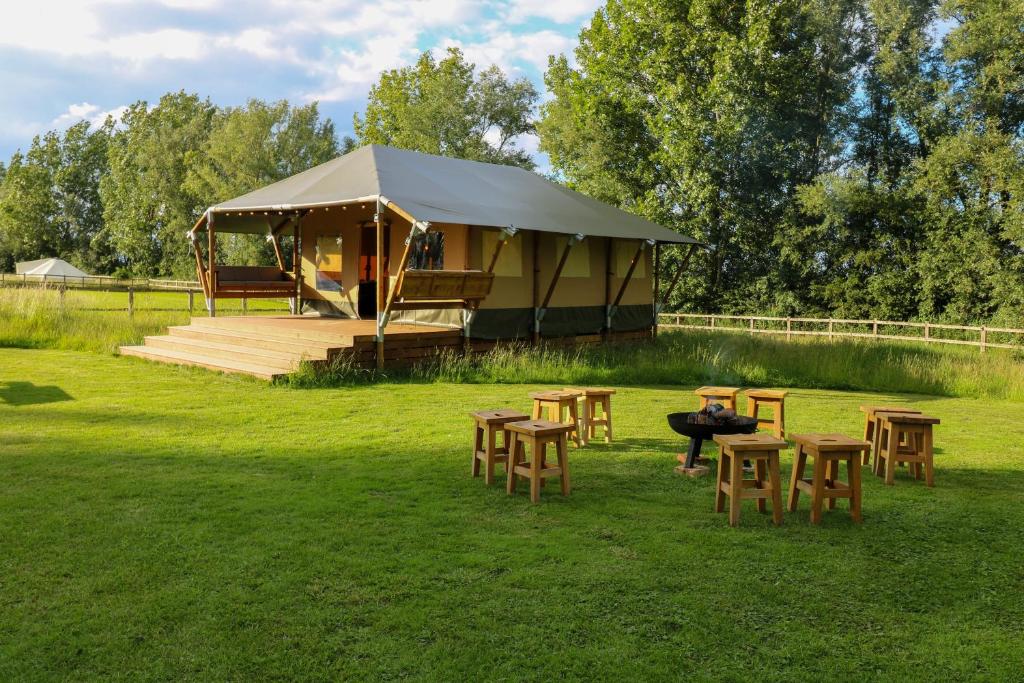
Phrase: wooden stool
[560,407]
[870,432]
[490,423]
[904,437]
[592,398]
[537,434]
[776,400]
[827,450]
[724,395]
[764,451]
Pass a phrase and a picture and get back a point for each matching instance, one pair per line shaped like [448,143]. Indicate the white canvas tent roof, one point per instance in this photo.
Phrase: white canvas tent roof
[48,266]
[442,190]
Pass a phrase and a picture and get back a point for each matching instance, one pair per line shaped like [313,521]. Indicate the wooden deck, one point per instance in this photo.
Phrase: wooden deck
[272,346]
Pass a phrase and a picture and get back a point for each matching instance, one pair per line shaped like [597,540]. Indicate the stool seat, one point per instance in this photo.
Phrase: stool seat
[593,398]
[488,425]
[763,451]
[766,393]
[828,450]
[536,435]
[727,396]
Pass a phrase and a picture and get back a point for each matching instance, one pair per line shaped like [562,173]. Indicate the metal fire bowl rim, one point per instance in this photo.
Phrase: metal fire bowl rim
[678,423]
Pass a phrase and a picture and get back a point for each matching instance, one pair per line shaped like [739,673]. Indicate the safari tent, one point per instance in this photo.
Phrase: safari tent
[395,236]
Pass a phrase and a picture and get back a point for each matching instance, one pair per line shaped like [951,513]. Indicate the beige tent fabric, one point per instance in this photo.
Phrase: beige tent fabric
[51,267]
[439,189]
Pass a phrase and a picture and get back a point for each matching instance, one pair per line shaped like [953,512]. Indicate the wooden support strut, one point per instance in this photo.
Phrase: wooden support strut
[610,313]
[275,239]
[211,278]
[470,311]
[678,274]
[379,220]
[539,312]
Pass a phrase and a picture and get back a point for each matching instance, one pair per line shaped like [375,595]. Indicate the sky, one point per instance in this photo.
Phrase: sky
[62,61]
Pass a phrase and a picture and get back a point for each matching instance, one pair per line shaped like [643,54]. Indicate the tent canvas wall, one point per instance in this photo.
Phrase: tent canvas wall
[557,256]
[54,267]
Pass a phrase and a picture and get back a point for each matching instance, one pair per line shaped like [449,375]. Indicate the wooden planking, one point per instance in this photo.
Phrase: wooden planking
[203,361]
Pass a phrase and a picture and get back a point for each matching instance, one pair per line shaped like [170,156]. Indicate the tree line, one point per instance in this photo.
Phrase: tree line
[854,158]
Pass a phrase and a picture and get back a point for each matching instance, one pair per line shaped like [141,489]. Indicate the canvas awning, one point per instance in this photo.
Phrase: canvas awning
[439,189]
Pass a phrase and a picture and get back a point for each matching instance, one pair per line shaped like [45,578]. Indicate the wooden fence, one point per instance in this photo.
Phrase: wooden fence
[104,282]
[933,333]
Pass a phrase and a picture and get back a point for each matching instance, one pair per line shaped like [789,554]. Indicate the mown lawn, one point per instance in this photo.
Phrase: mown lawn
[158,523]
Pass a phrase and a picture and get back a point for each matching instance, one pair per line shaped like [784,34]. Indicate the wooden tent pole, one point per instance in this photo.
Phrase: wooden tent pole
[625,283]
[678,274]
[380,275]
[608,274]
[536,287]
[657,285]
[211,277]
[554,282]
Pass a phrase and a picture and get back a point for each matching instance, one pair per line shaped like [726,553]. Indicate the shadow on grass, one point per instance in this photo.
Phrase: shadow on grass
[26,394]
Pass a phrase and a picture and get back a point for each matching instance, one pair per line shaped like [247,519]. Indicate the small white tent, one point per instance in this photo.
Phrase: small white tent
[50,267]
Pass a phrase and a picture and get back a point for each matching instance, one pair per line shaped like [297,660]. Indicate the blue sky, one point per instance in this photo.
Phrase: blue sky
[62,61]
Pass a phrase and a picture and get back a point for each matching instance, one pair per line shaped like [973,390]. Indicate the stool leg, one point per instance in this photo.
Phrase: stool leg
[831,475]
[492,436]
[892,446]
[555,412]
[799,462]
[538,408]
[537,449]
[752,407]
[853,474]
[574,416]
[817,489]
[514,449]
[869,435]
[760,475]
[929,457]
[606,406]
[723,466]
[563,462]
[735,488]
[780,420]
[478,445]
[775,481]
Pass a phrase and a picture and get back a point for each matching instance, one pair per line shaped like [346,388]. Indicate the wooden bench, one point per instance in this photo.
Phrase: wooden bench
[421,289]
[252,282]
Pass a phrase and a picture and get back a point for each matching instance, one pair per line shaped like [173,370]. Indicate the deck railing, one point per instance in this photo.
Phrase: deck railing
[979,336]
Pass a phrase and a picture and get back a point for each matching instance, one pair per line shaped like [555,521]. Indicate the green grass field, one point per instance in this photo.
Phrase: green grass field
[161,523]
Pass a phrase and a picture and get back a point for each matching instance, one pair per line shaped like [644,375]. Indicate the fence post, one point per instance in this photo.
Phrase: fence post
[927,330]
[245,305]
[984,338]
[789,329]
[830,328]
[191,301]
[711,318]
[751,326]
[874,328]
[131,301]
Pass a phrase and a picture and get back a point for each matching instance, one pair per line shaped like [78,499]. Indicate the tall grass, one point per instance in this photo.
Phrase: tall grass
[42,318]
[688,358]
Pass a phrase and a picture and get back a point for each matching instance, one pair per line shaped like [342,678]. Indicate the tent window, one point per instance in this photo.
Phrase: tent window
[427,252]
[578,262]
[328,263]
[510,261]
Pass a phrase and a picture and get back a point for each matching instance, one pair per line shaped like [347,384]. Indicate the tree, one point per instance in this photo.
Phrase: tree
[705,116]
[252,146]
[441,107]
[147,207]
[50,204]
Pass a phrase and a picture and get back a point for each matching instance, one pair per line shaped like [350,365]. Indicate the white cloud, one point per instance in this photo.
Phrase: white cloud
[508,50]
[86,111]
[559,11]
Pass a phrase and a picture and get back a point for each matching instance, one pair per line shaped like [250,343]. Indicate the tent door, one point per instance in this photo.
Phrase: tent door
[367,303]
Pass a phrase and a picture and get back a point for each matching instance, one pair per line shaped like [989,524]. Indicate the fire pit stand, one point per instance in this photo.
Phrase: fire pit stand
[698,433]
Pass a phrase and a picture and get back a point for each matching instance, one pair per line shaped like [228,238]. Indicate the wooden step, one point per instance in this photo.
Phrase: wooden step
[202,361]
[266,327]
[285,360]
[313,350]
